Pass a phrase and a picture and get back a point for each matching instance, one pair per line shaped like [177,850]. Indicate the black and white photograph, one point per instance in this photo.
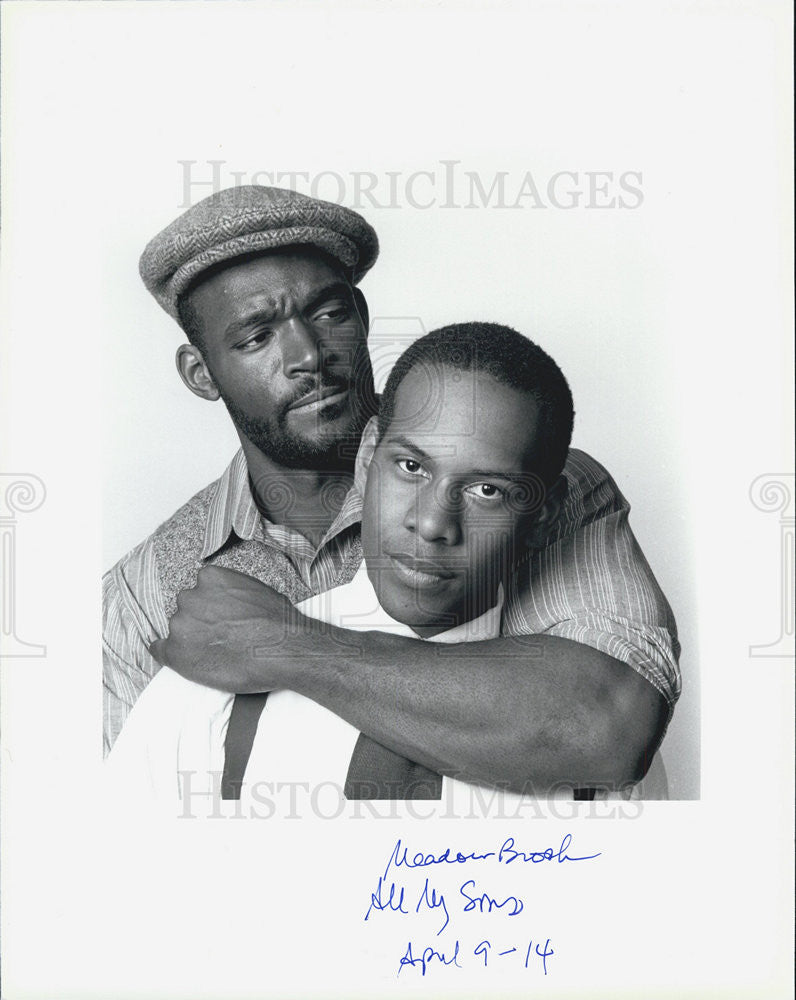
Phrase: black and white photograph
[398,499]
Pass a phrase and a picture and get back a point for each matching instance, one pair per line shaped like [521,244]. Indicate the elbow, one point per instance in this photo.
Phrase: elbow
[635,723]
[606,738]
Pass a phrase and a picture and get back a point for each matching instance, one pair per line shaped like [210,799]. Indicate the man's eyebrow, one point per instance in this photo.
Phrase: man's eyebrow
[337,289]
[404,442]
[263,314]
[266,313]
[514,477]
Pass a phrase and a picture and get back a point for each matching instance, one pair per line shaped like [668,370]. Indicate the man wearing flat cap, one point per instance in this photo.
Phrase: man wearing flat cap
[264,283]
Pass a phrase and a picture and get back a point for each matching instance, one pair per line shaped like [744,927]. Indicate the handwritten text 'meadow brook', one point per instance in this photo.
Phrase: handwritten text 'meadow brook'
[506,854]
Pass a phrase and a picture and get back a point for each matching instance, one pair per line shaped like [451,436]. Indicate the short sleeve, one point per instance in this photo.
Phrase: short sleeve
[593,585]
[132,618]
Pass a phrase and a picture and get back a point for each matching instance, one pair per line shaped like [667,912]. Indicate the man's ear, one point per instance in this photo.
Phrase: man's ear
[195,373]
[546,517]
[362,308]
[367,447]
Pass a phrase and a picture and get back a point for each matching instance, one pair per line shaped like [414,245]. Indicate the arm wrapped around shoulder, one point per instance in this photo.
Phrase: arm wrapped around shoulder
[592,585]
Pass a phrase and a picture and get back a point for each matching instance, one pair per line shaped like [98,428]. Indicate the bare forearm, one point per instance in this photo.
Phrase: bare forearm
[532,711]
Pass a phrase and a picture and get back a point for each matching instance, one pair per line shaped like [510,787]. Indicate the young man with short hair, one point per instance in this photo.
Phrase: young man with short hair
[463,477]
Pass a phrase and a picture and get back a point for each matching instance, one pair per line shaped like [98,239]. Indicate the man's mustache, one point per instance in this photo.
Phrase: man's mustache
[326,383]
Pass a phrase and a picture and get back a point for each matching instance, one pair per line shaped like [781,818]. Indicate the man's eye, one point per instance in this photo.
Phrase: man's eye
[255,340]
[333,314]
[485,491]
[410,466]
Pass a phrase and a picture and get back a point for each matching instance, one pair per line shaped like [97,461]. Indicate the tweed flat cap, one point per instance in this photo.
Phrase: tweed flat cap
[246,219]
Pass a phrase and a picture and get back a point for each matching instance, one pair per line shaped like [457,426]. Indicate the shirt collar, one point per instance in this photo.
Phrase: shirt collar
[356,605]
[233,509]
[486,626]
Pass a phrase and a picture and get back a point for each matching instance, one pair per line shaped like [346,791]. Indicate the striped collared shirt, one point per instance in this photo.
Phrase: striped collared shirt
[591,583]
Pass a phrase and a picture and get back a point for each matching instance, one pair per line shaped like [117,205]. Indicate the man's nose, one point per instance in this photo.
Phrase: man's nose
[435,516]
[301,349]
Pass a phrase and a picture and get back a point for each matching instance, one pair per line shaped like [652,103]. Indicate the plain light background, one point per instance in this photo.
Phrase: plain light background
[671,322]
[597,287]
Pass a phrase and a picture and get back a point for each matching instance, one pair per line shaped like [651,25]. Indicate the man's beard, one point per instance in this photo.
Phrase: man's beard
[325,451]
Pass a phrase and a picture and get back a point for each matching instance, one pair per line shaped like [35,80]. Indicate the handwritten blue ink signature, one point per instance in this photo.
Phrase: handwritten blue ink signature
[391,895]
[505,855]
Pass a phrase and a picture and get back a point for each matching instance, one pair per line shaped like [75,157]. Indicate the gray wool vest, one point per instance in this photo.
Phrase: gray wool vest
[178,547]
